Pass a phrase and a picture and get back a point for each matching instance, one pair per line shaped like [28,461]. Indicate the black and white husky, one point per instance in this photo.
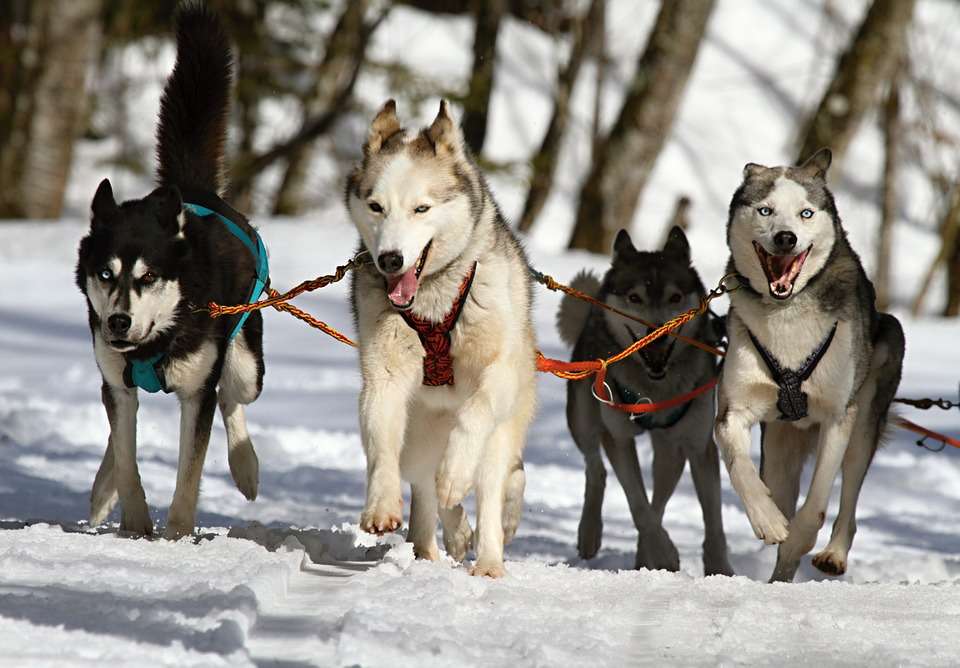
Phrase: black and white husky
[145,268]
[810,358]
[655,286]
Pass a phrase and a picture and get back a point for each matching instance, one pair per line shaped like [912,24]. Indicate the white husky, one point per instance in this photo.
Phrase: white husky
[446,341]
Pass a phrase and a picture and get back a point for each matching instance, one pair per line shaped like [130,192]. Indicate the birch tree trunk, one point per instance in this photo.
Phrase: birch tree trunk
[868,62]
[544,164]
[624,159]
[335,78]
[45,108]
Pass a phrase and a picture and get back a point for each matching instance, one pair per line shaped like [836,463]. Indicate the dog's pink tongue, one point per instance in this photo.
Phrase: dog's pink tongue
[782,267]
[401,289]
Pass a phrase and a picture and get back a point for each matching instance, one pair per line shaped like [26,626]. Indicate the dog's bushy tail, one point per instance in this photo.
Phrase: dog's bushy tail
[572,316]
[196,101]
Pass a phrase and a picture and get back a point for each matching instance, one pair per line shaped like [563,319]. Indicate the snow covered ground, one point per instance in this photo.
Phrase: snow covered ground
[288,580]
[332,597]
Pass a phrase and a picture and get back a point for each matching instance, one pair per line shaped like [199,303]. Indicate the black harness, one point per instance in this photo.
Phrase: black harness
[792,401]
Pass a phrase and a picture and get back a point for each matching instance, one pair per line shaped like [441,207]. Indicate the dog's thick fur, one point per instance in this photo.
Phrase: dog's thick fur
[849,392]
[655,286]
[151,263]
[421,195]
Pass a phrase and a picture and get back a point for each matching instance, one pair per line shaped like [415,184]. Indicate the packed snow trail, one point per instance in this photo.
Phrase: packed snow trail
[330,596]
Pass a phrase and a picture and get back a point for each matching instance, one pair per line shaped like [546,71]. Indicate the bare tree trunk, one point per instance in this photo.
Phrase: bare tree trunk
[949,240]
[862,69]
[626,157]
[888,211]
[488,15]
[953,276]
[335,78]
[600,56]
[545,162]
[680,217]
[62,41]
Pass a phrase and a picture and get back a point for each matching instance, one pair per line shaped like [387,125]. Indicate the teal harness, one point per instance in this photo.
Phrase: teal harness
[147,374]
[649,421]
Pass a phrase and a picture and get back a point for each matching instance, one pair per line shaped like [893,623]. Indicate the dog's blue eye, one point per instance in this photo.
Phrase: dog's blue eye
[105,274]
[423,208]
[375,207]
[764,210]
[806,213]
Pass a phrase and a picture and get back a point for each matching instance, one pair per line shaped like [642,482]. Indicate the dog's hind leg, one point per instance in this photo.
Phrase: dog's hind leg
[122,405]
[104,495]
[196,419]
[513,501]
[784,449]
[833,438]
[583,420]
[457,534]
[655,550]
[240,384]
[873,404]
[669,461]
[423,520]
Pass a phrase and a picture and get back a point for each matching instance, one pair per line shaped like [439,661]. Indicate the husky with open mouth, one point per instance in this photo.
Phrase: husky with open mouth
[810,358]
[147,268]
[446,341]
[654,286]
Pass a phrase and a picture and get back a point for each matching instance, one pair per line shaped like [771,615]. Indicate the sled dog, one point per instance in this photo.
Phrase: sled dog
[445,338]
[146,267]
[810,358]
[654,286]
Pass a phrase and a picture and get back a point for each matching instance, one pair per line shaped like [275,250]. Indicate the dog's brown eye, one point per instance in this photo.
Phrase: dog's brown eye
[635,299]
[675,299]
[148,278]
[375,207]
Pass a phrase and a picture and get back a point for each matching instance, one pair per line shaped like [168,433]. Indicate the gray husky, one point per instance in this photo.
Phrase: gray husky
[810,358]
[654,286]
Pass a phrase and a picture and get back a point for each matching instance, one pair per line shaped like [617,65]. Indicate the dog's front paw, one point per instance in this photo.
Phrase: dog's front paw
[769,524]
[589,538]
[382,516]
[177,529]
[455,477]
[245,469]
[135,519]
[656,551]
[490,569]
[831,562]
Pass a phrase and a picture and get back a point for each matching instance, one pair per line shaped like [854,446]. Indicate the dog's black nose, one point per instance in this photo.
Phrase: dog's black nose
[119,324]
[390,262]
[785,241]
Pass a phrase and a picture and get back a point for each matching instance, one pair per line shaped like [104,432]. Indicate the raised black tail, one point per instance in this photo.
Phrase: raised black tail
[196,101]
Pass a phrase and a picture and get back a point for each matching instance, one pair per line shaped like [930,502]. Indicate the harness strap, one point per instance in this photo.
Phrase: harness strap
[645,417]
[654,406]
[791,400]
[148,374]
[435,337]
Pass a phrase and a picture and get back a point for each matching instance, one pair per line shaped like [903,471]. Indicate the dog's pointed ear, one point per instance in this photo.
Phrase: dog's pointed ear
[677,244]
[104,206]
[816,165]
[385,124]
[444,133]
[623,245]
[752,169]
[168,205]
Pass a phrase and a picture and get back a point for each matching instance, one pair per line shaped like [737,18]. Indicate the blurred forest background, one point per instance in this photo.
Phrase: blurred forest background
[79,79]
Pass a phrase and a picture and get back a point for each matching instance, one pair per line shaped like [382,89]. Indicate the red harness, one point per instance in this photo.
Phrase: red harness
[435,337]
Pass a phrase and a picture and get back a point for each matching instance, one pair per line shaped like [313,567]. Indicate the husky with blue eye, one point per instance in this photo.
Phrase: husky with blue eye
[654,286]
[147,268]
[810,358]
